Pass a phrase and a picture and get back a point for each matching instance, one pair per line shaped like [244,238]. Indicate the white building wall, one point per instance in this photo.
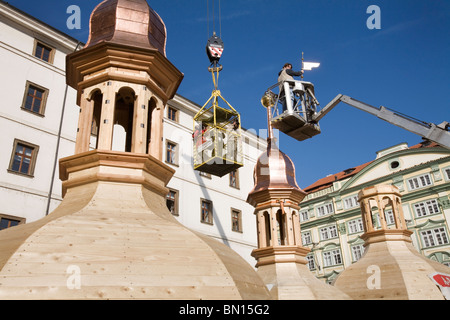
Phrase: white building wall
[20,195]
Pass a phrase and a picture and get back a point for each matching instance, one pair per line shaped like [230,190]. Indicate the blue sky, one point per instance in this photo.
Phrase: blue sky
[403,66]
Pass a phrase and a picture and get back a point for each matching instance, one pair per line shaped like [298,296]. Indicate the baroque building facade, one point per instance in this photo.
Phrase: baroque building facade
[330,214]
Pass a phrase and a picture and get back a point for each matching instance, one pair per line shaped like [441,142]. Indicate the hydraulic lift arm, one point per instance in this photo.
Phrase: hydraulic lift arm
[436,133]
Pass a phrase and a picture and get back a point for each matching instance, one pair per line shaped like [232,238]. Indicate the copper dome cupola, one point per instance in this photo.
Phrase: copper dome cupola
[130,22]
[274,173]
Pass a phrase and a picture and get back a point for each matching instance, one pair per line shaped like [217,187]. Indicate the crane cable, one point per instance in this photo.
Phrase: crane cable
[213,18]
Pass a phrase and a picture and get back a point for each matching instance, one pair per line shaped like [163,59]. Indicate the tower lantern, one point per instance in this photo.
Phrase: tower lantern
[123,79]
[281,257]
[391,268]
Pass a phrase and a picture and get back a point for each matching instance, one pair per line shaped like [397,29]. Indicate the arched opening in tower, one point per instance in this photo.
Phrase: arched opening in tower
[123,120]
[97,98]
[152,108]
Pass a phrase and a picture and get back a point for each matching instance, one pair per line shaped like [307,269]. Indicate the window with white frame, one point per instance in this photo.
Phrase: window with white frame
[426,208]
[357,252]
[351,202]
[332,258]
[325,209]
[306,238]
[172,152]
[420,181]
[329,232]
[311,262]
[355,226]
[447,173]
[434,237]
[304,216]
[389,216]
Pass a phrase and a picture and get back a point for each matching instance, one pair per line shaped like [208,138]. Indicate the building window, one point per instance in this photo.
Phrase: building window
[23,158]
[311,262]
[206,212]
[434,237]
[43,52]
[426,208]
[332,258]
[234,179]
[172,153]
[325,209]
[236,220]
[447,173]
[172,202]
[35,98]
[328,233]
[8,222]
[351,202]
[306,238]
[389,216]
[172,114]
[357,252]
[355,226]
[419,182]
[304,216]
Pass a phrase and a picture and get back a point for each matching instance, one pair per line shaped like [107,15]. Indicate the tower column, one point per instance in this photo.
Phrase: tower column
[140,124]
[156,108]
[400,222]
[106,126]
[296,225]
[367,215]
[260,222]
[289,227]
[84,124]
[381,213]
[273,227]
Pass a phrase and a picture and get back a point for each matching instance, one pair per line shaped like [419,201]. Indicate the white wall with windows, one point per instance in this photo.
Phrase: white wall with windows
[34,96]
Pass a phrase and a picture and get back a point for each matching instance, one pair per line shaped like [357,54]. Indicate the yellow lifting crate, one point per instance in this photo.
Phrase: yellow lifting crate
[217,135]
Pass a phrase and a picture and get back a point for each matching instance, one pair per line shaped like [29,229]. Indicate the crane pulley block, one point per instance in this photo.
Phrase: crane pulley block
[214,49]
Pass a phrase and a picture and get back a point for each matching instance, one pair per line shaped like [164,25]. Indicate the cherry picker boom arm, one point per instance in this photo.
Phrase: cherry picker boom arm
[436,133]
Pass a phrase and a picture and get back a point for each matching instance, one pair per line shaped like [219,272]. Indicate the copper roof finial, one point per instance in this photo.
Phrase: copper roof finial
[130,22]
[274,170]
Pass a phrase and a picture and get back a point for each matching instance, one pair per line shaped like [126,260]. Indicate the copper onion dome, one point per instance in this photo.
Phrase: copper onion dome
[274,170]
[130,22]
